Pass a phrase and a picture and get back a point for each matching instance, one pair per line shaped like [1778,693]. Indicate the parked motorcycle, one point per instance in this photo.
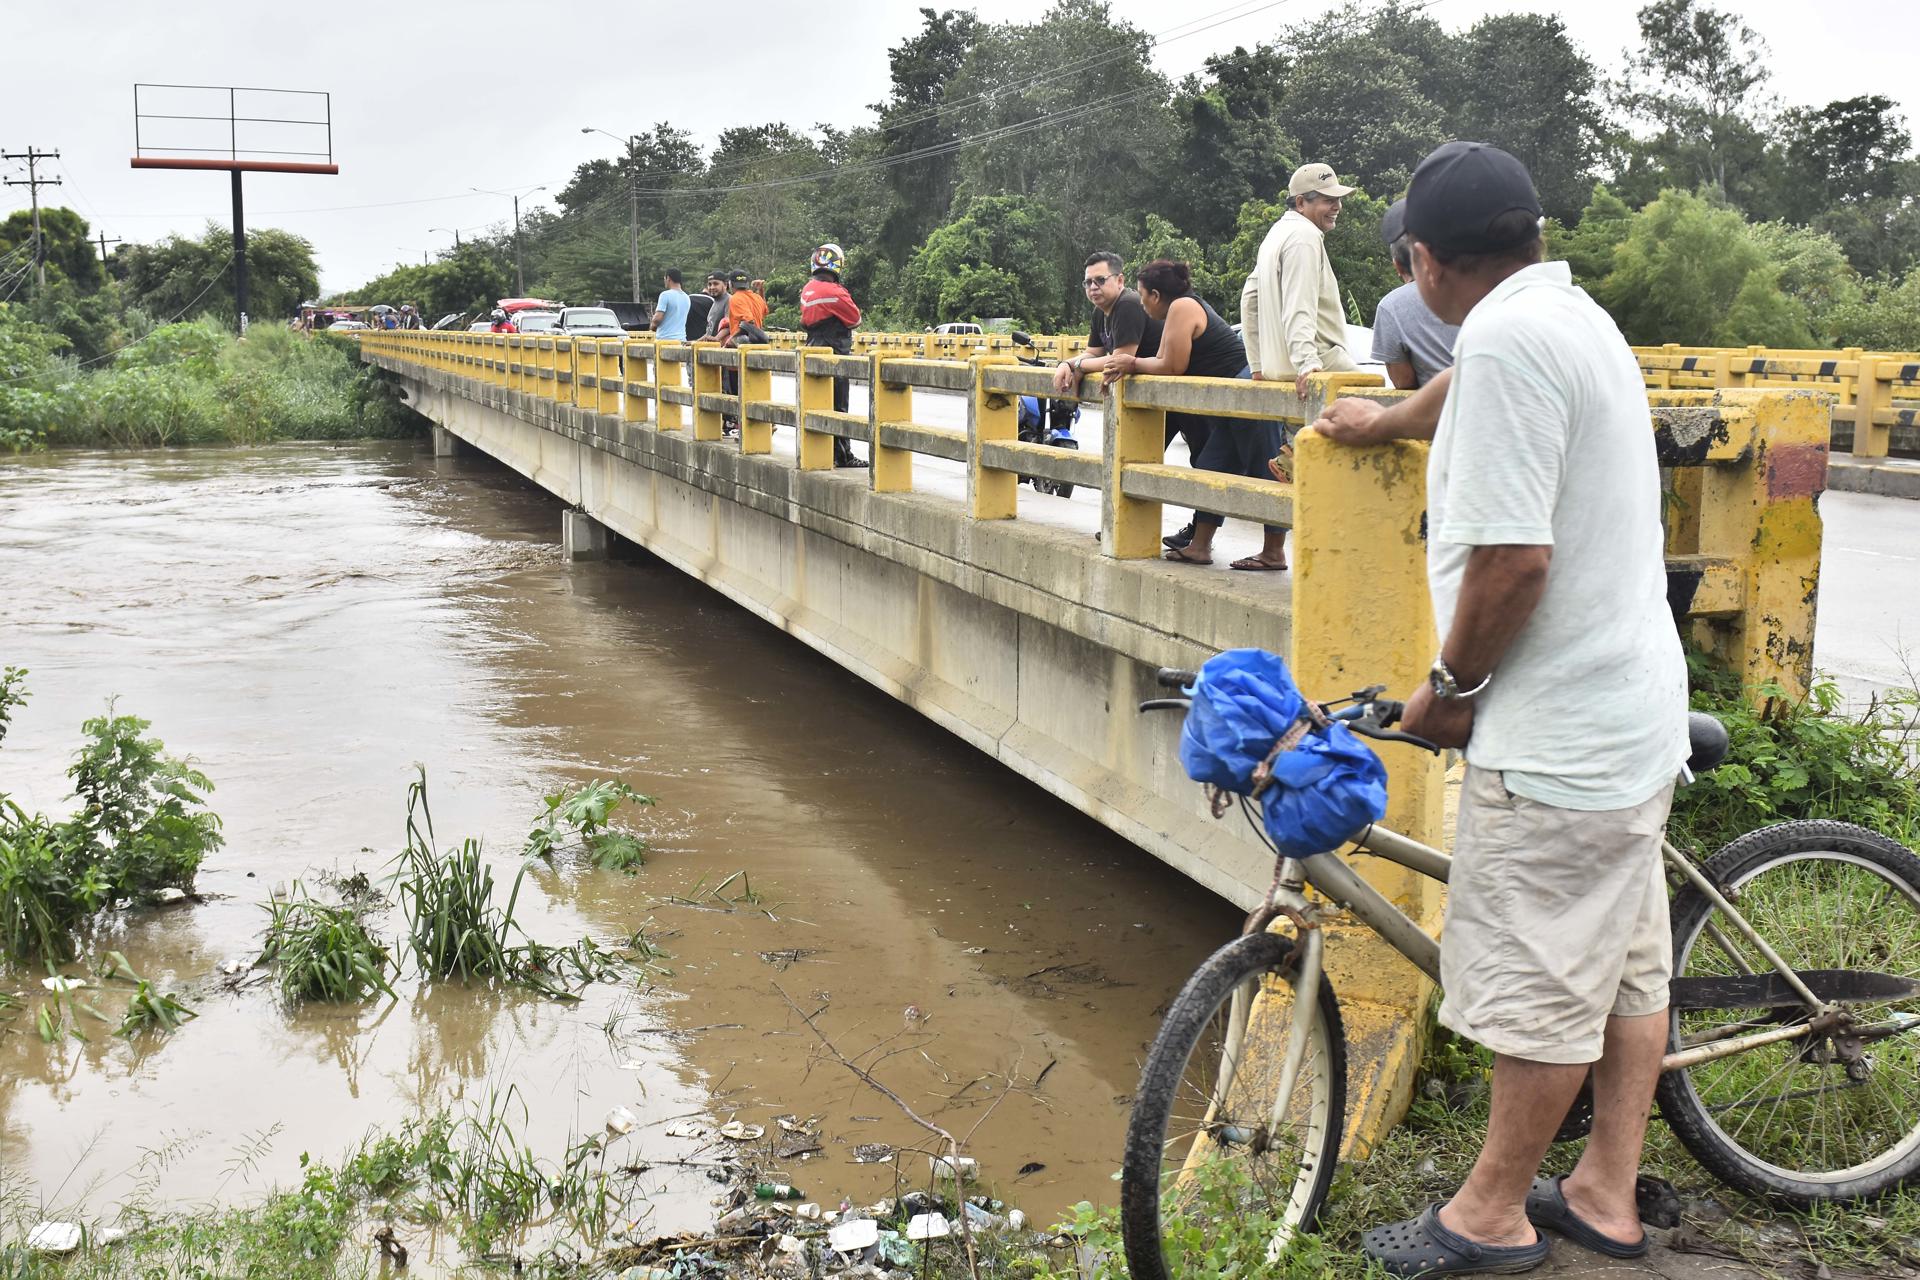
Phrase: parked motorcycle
[1048,424]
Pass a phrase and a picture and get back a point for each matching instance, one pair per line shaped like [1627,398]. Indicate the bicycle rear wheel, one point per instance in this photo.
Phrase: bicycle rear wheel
[1804,1120]
[1203,1142]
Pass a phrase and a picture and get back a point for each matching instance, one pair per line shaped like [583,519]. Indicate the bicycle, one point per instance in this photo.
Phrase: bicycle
[1790,1072]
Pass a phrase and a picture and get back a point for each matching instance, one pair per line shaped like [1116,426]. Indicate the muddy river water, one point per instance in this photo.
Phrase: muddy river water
[309,622]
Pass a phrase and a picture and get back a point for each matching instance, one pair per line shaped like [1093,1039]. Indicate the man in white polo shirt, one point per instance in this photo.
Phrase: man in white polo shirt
[1560,673]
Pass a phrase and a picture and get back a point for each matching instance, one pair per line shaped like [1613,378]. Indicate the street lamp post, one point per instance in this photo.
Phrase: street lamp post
[519,270]
[633,201]
[452,231]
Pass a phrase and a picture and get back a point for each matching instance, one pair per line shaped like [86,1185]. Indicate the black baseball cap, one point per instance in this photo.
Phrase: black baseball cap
[716,277]
[1460,190]
[1393,223]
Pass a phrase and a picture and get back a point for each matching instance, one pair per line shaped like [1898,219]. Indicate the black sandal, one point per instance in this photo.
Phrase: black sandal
[1547,1207]
[1423,1247]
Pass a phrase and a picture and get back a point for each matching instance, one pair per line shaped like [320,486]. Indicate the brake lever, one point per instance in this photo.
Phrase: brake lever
[1175,678]
[1167,704]
[1369,729]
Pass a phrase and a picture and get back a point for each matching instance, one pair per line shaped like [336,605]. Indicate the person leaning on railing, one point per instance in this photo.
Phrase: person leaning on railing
[1197,343]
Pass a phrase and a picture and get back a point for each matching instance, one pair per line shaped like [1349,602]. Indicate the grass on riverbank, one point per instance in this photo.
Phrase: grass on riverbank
[192,383]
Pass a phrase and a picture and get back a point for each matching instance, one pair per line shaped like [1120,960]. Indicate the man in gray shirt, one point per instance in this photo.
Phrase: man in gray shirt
[1408,338]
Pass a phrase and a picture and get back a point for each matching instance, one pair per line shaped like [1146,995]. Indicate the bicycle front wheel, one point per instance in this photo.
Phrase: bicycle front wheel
[1815,1118]
[1209,1138]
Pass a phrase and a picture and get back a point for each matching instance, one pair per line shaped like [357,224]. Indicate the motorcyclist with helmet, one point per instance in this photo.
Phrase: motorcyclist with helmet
[829,315]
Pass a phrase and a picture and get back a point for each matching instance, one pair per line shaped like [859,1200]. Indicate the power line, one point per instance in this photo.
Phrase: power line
[212,280]
[33,182]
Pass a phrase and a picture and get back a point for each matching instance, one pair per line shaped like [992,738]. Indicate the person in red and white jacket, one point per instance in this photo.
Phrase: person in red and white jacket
[829,315]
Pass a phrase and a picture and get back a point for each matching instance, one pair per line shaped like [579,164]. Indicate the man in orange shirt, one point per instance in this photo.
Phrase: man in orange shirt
[746,313]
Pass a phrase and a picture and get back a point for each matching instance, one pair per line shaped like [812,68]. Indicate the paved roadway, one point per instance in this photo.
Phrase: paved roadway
[1868,632]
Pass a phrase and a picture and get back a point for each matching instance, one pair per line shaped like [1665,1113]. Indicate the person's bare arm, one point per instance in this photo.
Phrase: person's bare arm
[1498,593]
[1185,320]
[1356,422]
[1400,373]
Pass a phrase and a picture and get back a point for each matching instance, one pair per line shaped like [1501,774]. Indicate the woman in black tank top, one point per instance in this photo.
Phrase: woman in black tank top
[1197,343]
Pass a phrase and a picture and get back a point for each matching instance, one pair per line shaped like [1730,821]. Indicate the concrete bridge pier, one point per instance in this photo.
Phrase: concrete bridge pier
[581,536]
[445,443]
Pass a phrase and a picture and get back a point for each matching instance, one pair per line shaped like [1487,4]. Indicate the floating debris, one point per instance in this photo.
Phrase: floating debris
[740,1132]
[55,1237]
[953,1168]
[621,1120]
[928,1226]
[856,1235]
[872,1153]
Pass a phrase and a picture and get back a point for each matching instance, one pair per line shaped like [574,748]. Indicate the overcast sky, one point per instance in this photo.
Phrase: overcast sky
[432,97]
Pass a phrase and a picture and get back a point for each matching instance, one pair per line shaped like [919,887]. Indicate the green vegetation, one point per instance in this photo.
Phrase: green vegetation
[578,818]
[1005,151]
[323,952]
[453,927]
[143,826]
[1809,759]
[189,383]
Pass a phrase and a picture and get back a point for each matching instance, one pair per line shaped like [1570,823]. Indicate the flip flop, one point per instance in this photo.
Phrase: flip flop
[1254,564]
[1423,1247]
[1184,556]
[1547,1207]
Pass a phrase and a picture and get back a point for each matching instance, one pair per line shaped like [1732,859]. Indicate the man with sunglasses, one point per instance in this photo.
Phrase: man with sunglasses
[1120,323]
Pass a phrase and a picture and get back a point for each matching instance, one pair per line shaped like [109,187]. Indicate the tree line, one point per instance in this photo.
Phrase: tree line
[1690,200]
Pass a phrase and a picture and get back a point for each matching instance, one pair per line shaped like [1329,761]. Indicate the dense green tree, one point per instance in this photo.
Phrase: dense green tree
[1356,104]
[1524,85]
[1881,235]
[917,121]
[1360,261]
[68,254]
[1690,272]
[179,278]
[1588,247]
[1809,267]
[1851,150]
[1885,316]
[1000,257]
[1699,78]
[1236,140]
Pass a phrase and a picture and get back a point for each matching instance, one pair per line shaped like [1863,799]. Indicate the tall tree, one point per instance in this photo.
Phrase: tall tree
[998,258]
[1231,146]
[1699,76]
[1525,86]
[1850,150]
[915,121]
[69,255]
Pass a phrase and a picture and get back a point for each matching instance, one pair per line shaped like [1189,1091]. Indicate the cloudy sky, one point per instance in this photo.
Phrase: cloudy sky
[431,98]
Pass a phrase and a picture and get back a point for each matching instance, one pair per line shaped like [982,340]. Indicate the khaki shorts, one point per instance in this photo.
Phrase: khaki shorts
[1556,921]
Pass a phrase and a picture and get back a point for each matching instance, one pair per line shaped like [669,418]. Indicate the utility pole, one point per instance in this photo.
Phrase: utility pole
[519,270]
[104,242]
[633,201]
[33,182]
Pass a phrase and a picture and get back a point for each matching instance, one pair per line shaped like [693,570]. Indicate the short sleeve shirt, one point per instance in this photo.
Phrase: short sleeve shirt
[672,306]
[1127,324]
[1546,440]
[1406,332]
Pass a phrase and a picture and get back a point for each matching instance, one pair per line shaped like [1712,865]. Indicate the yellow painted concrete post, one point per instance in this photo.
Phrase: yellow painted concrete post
[569,359]
[756,387]
[1873,396]
[511,349]
[991,495]
[812,392]
[609,373]
[670,375]
[707,423]
[1762,513]
[892,468]
[642,371]
[1361,616]
[1130,527]
[1847,375]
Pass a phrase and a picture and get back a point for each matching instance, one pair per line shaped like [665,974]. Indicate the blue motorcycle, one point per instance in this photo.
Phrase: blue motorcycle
[1050,423]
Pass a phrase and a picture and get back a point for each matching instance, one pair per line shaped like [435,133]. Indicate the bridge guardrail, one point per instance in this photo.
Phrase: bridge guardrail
[1877,394]
[1746,464]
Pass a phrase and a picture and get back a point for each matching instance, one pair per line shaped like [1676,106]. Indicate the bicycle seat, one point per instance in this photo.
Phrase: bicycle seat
[1706,742]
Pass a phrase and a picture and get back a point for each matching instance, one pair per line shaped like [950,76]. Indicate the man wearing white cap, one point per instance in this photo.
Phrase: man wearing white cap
[1290,313]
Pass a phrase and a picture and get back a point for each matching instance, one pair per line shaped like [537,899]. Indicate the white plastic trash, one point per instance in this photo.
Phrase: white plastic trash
[621,1120]
[928,1226]
[963,1168]
[790,1244]
[856,1235]
[55,1237]
[742,1132]
[809,1211]
[1016,1220]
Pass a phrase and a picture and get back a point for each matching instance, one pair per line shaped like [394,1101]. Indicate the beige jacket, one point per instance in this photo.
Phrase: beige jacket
[1293,287]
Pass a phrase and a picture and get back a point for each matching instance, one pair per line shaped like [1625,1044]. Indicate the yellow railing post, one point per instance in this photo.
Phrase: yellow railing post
[610,371]
[1130,527]
[669,375]
[756,387]
[991,495]
[1873,395]
[707,423]
[892,468]
[1361,615]
[516,352]
[812,393]
[642,369]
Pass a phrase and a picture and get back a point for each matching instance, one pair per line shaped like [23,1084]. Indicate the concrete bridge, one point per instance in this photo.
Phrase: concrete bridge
[1029,624]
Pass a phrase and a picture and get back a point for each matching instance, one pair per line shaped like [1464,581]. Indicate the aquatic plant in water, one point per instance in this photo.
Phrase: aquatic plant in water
[453,927]
[322,952]
[581,816]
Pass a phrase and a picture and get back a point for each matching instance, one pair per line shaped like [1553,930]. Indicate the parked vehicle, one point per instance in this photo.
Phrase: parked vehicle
[634,317]
[588,322]
[1050,423]
[346,326]
[536,321]
[480,326]
[958,326]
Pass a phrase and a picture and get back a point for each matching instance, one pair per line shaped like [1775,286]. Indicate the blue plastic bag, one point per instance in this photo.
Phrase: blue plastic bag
[1323,792]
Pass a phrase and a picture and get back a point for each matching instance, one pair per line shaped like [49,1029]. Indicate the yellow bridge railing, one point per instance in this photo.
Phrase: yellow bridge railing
[1746,463]
[1877,393]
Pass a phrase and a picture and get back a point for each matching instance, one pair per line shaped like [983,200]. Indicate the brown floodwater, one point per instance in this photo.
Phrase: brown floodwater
[309,622]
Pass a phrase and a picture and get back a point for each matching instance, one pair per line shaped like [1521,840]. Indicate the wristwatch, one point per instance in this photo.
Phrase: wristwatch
[1446,688]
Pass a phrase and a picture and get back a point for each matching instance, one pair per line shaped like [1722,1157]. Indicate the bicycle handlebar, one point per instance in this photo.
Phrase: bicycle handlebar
[1370,715]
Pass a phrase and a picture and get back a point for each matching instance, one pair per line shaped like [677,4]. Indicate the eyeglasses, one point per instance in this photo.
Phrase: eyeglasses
[1097,282]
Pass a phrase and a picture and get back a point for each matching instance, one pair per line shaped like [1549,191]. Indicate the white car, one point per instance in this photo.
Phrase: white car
[1359,346]
[589,322]
[480,326]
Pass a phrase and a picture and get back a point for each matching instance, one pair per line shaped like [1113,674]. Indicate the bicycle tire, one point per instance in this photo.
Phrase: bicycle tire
[1207,993]
[1803,854]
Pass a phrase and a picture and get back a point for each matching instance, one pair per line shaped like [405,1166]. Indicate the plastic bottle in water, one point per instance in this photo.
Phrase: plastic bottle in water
[775,1191]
